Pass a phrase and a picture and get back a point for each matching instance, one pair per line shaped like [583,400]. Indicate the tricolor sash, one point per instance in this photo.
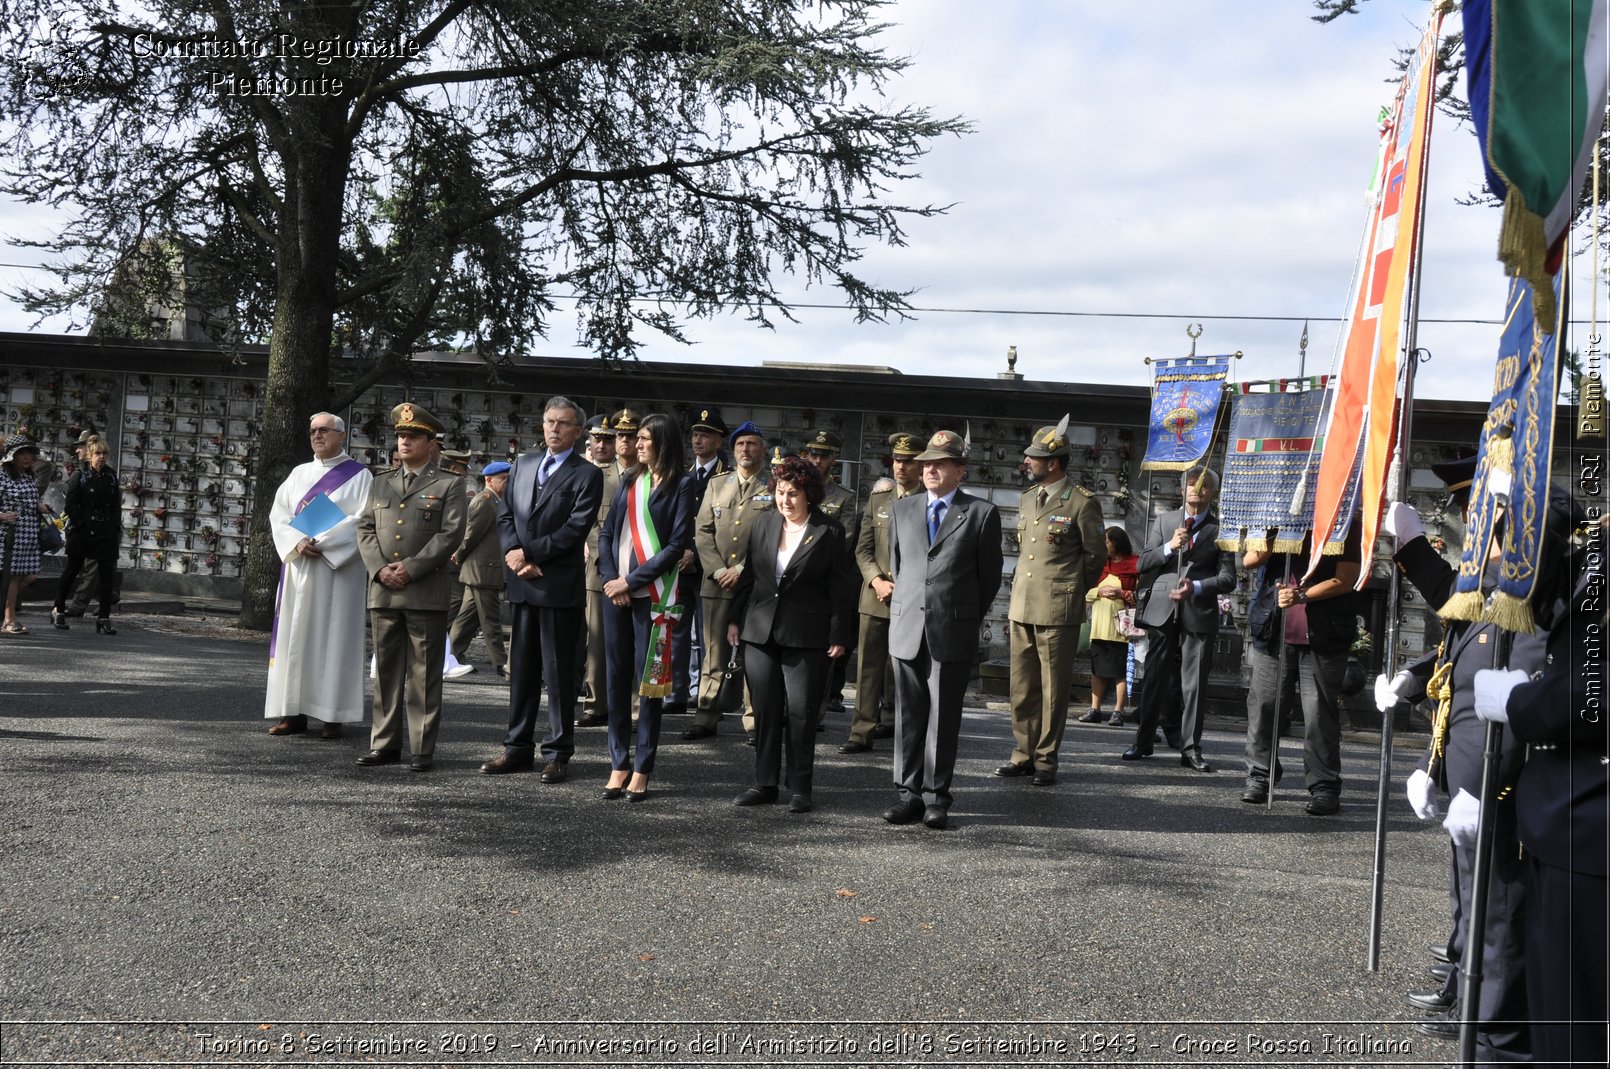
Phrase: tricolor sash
[330,481]
[664,612]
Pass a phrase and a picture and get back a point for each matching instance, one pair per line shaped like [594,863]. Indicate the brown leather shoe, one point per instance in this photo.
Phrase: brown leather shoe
[503,764]
[290,725]
[330,731]
[553,772]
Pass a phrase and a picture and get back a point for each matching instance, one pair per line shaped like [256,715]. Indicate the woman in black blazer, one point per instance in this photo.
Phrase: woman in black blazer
[792,609]
[94,531]
[629,571]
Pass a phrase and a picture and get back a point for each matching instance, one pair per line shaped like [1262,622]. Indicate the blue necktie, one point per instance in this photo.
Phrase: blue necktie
[936,516]
[546,470]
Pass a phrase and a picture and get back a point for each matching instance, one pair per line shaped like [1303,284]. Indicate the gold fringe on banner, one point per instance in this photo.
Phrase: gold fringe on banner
[1512,614]
[1170,465]
[1468,606]
[1523,249]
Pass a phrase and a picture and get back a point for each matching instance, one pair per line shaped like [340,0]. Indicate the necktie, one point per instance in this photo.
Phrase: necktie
[408,481]
[704,474]
[936,516]
[1044,497]
[546,470]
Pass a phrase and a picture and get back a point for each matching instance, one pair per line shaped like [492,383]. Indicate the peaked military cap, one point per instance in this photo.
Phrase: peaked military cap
[626,421]
[823,441]
[904,446]
[709,419]
[601,427]
[411,417]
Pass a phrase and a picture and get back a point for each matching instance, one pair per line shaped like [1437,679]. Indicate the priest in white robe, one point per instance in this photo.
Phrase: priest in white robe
[315,659]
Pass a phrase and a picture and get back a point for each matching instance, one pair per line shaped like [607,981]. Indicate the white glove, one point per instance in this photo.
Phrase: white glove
[1463,814]
[1492,692]
[1499,482]
[1389,692]
[1422,796]
[1402,523]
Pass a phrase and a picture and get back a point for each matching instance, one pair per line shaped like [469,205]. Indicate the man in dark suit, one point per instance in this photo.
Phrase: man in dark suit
[945,549]
[706,433]
[551,504]
[1183,563]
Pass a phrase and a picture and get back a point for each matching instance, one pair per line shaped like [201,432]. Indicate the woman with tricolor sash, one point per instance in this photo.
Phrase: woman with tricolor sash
[640,546]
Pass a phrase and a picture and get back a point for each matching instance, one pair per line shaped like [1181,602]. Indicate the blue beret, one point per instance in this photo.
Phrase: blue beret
[497,467]
[748,426]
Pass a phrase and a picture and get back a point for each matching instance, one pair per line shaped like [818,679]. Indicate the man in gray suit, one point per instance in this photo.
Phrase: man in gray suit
[945,549]
[1185,571]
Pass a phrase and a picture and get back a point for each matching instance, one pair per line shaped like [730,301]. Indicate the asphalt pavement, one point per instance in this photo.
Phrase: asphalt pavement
[177,887]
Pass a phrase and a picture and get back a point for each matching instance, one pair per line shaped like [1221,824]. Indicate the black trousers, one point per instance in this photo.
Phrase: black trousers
[626,636]
[542,650]
[787,684]
[1565,964]
[927,724]
[1175,696]
[105,561]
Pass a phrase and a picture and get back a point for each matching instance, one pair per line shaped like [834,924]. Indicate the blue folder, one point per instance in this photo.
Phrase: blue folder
[318,516]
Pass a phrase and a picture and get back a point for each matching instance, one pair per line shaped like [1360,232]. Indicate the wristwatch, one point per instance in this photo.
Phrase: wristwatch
[1302,596]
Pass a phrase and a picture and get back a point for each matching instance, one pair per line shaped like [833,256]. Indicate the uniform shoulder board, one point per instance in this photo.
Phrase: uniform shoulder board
[1085,490]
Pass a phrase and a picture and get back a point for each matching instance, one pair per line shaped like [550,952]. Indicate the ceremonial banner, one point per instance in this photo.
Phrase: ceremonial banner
[1537,77]
[1185,406]
[1270,463]
[1517,439]
[1365,385]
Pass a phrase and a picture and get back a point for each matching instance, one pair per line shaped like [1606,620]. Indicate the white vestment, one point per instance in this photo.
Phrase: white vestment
[316,665]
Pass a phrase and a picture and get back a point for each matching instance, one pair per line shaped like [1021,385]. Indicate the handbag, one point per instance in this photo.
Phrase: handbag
[730,696]
[1124,623]
[50,537]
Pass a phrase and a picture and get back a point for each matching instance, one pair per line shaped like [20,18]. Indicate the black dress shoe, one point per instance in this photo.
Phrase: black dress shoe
[1323,804]
[904,812]
[757,796]
[856,747]
[1044,779]
[1011,771]
[883,731]
[699,731]
[1255,793]
[800,803]
[420,763]
[1192,759]
[381,757]
[1091,717]
[637,796]
[504,764]
[936,818]
[1440,971]
[613,793]
[1135,753]
[1439,1025]
[593,720]
[553,772]
[1440,952]
[1433,1001]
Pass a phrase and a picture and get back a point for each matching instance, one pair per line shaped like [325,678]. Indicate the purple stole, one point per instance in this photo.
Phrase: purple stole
[333,479]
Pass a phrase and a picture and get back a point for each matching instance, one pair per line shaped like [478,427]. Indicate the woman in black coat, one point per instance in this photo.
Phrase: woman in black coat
[94,531]
[792,608]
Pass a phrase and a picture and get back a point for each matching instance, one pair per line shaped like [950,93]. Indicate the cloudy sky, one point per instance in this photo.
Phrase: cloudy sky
[1133,170]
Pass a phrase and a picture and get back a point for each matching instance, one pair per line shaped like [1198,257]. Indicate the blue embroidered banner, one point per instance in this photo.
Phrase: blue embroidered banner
[1186,393]
[1270,465]
[1518,440]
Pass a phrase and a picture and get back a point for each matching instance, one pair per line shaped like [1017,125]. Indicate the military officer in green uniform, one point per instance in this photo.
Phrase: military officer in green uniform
[721,536]
[877,586]
[614,440]
[414,522]
[1061,550]
[822,449]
